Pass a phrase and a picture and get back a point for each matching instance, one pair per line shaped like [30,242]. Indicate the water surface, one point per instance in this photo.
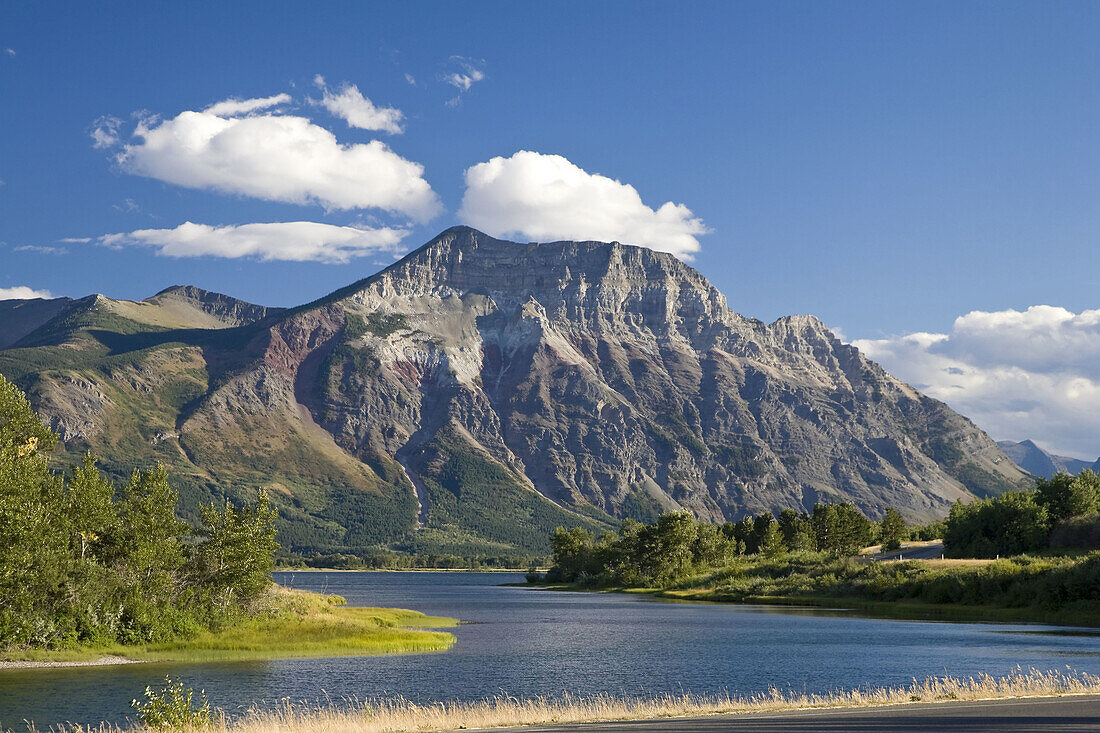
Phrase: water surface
[533,642]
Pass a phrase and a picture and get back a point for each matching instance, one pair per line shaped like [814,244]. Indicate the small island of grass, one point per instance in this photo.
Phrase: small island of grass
[287,623]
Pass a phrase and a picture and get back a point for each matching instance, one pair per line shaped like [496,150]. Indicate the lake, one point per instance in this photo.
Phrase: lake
[529,642]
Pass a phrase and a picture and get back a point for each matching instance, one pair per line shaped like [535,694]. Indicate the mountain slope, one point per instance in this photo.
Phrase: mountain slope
[479,392]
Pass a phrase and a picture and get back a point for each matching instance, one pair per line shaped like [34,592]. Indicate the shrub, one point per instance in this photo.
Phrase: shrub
[173,707]
[1077,533]
[1066,496]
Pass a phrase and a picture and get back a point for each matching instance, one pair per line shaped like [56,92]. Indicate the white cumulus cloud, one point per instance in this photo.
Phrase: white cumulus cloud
[546,197]
[1018,374]
[297,241]
[349,104]
[22,292]
[246,147]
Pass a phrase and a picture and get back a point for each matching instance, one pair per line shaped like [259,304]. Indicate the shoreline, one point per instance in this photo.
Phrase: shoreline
[1068,707]
[108,660]
[405,570]
[901,611]
[301,625]
[504,712]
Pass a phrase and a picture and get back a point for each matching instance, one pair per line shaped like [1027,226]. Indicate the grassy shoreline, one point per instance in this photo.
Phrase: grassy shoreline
[908,610]
[504,711]
[904,611]
[300,624]
[1051,590]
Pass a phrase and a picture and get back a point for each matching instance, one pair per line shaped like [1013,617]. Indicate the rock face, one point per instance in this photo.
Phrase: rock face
[479,392]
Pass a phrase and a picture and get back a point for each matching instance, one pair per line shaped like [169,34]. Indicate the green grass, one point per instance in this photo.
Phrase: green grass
[911,611]
[299,624]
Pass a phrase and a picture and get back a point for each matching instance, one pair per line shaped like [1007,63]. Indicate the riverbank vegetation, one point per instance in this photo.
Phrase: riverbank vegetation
[382,560]
[379,716]
[89,569]
[1061,513]
[811,559]
[85,562]
[283,624]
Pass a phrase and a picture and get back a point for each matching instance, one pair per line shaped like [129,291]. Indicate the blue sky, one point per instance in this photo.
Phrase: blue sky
[889,167]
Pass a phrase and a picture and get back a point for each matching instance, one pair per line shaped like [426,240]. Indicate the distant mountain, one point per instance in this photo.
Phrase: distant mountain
[42,321]
[1039,462]
[478,393]
[21,317]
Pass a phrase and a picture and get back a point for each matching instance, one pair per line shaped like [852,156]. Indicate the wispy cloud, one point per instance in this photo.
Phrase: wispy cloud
[40,249]
[105,132]
[238,107]
[462,73]
[296,241]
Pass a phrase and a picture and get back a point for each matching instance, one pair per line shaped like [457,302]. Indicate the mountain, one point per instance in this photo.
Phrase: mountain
[1039,462]
[478,393]
[43,321]
[21,317]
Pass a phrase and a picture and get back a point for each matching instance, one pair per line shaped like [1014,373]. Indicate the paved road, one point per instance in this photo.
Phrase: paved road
[930,551]
[1035,715]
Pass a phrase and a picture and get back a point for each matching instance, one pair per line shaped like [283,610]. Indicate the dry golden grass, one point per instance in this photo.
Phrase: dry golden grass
[384,716]
[956,562]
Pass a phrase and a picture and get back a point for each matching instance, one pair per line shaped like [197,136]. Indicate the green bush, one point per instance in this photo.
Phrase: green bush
[173,707]
[1010,524]
[1076,533]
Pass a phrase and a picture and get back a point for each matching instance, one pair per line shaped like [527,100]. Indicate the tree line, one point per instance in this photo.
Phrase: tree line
[84,561]
[677,544]
[1060,512]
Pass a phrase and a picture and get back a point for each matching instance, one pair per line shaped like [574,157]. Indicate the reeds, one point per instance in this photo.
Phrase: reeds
[385,715]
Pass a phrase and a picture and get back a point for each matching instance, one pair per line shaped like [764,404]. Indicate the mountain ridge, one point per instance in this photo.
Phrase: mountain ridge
[1033,459]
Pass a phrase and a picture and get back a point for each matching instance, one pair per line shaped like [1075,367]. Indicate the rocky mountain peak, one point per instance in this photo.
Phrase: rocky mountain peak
[1029,456]
[602,285]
